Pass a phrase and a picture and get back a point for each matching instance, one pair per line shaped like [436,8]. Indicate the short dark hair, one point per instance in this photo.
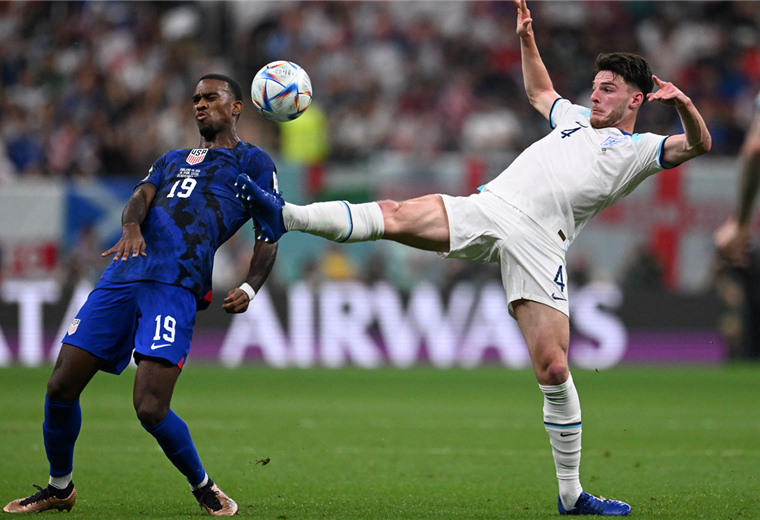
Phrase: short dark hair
[632,68]
[235,89]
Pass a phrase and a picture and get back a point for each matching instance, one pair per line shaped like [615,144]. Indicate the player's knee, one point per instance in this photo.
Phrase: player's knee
[59,390]
[150,413]
[556,372]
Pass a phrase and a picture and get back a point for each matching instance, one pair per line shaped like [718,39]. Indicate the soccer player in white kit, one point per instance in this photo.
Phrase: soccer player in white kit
[526,218]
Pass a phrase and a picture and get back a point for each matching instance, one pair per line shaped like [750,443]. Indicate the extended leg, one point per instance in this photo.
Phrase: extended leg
[421,223]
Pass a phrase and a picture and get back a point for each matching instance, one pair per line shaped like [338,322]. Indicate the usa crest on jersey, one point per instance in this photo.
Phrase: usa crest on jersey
[74,326]
[196,155]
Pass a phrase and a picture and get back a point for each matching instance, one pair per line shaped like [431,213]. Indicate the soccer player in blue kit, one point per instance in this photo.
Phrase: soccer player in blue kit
[175,220]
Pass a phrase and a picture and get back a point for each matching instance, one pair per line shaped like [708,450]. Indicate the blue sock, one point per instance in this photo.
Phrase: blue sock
[63,420]
[174,438]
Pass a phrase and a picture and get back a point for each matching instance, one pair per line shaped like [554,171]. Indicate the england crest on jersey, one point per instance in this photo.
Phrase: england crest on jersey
[196,155]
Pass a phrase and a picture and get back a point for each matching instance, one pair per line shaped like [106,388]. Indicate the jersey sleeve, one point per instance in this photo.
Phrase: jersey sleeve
[563,109]
[261,169]
[650,150]
[155,174]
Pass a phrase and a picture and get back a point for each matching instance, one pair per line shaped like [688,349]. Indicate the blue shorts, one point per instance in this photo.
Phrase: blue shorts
[152,318]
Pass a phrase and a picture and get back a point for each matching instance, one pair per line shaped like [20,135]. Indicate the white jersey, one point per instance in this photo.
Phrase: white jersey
[576,171]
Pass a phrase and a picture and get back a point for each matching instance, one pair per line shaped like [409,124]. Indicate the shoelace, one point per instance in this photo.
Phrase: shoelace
[42,494]
[213,501]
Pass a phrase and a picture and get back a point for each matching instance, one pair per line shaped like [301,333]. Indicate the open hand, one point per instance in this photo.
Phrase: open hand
[131,244]
[667,93]
[524,21]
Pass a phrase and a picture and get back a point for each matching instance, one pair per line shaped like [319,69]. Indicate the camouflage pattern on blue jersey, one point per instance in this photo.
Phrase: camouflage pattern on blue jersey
[193,213]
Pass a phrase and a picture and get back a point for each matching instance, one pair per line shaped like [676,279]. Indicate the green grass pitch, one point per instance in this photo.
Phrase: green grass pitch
[395,444]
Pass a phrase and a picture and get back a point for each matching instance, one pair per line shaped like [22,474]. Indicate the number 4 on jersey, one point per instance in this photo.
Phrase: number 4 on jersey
[559,279]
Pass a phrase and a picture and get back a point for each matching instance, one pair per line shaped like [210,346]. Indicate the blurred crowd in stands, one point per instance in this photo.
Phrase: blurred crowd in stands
[103,88]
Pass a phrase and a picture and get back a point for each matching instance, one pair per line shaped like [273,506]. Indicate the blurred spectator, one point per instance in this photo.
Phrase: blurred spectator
[90,89]
[335,264]
[84,263]
[93,88]
[645,272]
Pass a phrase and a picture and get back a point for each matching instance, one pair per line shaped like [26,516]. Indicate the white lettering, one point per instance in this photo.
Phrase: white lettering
[258,326]
[5,352]
[440,330]
[30,295]
[301,320]
[345,314]
[401,340]
[492,326]
[461,332]
[602,327]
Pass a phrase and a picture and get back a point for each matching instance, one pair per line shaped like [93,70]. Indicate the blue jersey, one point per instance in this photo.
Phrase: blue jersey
[193,213]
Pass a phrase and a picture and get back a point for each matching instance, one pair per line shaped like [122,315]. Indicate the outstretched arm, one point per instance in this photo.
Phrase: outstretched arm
[538,84]
[696,139]
[731,238]
[133,215]
[262,261]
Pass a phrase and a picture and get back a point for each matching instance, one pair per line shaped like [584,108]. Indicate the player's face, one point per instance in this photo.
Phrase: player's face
[613,100]
[215,107]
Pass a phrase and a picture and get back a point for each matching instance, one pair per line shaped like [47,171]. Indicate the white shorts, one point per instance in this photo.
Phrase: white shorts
[484,228]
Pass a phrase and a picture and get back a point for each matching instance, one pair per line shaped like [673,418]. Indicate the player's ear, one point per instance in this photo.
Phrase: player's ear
[637,99]
[237,107]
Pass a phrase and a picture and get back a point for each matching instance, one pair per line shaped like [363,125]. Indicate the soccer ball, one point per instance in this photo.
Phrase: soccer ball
[281,91]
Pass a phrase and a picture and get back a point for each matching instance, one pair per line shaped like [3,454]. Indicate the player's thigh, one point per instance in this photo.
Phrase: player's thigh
[105,325]
[154,386]
[547,335]
[165,327]
[421,222]
[73,370]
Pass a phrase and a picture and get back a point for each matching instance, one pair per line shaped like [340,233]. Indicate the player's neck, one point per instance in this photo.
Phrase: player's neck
[228,139]
[627,124]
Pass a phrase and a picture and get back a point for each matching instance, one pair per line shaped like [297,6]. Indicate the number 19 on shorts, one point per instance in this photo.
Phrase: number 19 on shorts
[165,329]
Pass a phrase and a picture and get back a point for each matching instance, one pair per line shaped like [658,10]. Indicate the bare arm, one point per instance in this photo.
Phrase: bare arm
[696,139]
[750,175]
[732,237]
[133,215]
[262,261]
[538,84]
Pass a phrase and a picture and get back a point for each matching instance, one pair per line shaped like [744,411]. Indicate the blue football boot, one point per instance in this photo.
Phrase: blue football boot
[265,208]
[590,505]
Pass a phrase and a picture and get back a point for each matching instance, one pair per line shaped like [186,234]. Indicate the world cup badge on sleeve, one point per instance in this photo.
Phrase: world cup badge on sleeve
[74,326]
[196,155]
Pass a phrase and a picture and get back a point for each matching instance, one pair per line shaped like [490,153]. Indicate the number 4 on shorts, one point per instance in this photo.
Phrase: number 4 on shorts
[559,279]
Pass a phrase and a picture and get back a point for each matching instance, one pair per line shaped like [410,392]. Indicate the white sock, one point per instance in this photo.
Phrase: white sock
[336,220]
[562,420]
[203,483]
[60,482]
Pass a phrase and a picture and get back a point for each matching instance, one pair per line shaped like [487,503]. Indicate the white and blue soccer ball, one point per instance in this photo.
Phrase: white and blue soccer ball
[281,91]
